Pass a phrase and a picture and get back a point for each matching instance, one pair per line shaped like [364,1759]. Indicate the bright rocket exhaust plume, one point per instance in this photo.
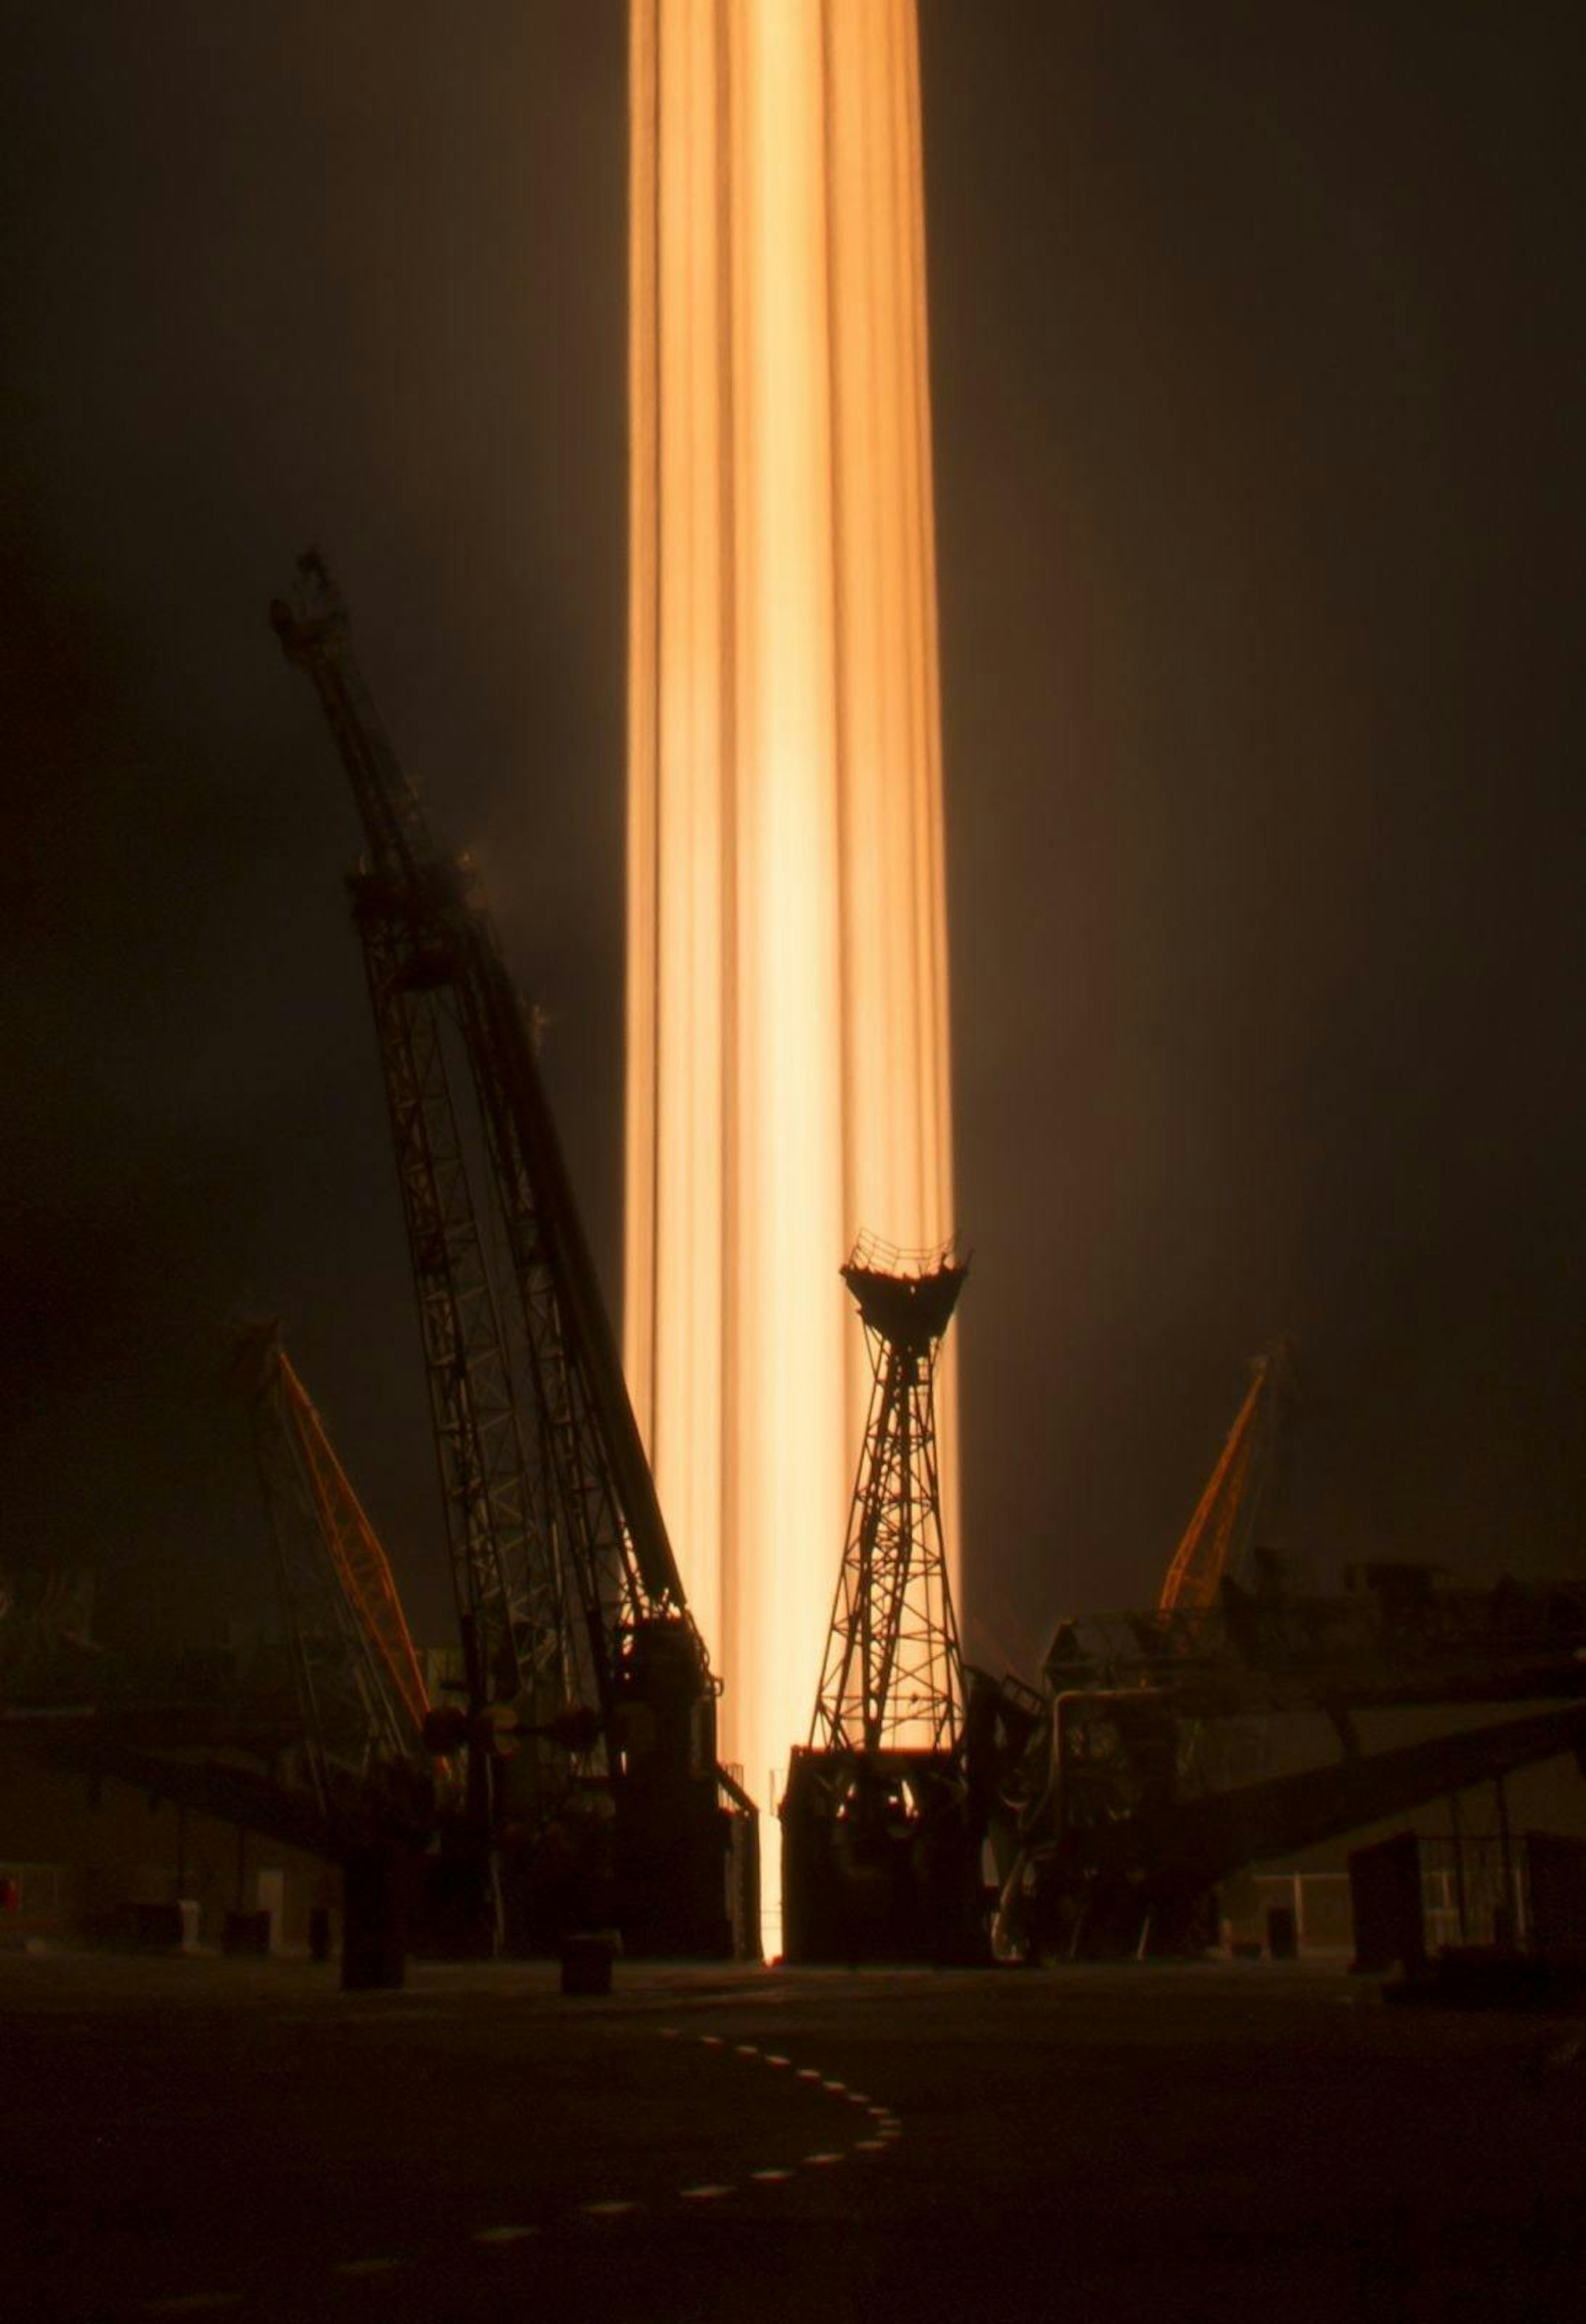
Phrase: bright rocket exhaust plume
[787,1050]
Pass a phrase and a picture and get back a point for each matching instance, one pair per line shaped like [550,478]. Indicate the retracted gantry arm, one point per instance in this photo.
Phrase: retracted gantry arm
[605,1492]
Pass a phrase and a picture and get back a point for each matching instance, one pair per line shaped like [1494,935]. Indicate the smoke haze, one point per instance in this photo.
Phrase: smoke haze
[1256,360]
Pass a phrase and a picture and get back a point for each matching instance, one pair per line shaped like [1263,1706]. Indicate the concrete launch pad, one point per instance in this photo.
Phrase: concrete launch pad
[197,2136]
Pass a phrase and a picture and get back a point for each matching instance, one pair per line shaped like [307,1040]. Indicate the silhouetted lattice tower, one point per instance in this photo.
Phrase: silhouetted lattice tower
[892,1677]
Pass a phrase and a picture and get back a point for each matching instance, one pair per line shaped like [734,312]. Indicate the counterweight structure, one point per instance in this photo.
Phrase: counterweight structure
[577,1635]
[879,1857]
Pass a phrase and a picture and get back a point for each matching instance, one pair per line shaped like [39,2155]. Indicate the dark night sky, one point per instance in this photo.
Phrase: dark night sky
[1257,377]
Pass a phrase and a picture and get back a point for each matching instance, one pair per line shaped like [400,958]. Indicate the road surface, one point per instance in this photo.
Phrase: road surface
[196,2137]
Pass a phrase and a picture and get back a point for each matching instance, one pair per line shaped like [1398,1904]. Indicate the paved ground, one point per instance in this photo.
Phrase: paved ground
[196,2137]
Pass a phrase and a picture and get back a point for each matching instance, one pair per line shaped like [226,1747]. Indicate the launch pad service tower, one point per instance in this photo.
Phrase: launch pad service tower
[787,1023]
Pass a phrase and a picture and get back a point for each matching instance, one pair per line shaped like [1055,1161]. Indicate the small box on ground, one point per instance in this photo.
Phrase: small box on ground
[147,1928]
[586,1961]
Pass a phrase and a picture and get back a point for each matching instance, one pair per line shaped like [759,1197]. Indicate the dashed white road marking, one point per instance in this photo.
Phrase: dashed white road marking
[884,2123]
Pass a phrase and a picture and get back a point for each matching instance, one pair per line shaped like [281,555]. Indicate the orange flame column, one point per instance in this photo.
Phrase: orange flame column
[787,1034]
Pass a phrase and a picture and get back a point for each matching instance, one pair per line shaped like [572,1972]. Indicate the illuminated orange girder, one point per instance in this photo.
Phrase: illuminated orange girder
[361,1564]
[1201,1558]
[787,1058]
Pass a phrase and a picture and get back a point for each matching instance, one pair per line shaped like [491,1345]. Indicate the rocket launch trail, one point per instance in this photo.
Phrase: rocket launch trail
[787,1023]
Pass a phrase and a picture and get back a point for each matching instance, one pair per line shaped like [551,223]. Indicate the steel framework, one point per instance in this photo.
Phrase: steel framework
[506,1578]
[881,1846]
[359,1687]
[1105,1838]
[893,1676]
[1218,1535]
[576,1633]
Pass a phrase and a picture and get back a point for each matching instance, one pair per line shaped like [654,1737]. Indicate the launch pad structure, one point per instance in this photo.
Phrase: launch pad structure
[1106,1806]
[879,1857]
[576,1784]
[592,1794]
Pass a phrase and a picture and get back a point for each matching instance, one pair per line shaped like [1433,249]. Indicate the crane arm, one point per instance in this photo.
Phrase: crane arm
[315,633]
[362,1566]
[612,1527]
[512,1089]
[360,1694]
[565,1579]
[1226,1508]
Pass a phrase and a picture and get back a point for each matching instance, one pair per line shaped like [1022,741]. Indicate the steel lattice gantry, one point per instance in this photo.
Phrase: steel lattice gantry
[410,908]
[576,1633]
[878,1850]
